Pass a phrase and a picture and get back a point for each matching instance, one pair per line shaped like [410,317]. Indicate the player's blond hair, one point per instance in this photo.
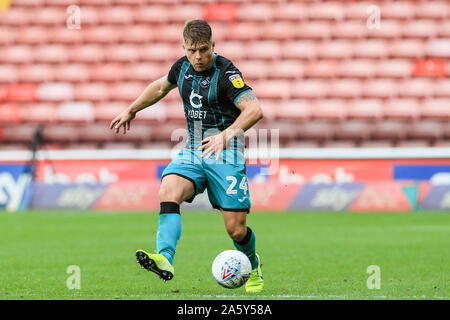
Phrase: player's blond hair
[197,31]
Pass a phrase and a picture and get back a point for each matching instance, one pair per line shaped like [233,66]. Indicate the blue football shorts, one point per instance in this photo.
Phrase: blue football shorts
[224,179]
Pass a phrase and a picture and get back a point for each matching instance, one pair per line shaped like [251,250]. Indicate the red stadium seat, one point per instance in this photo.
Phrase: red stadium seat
[341,144]
[171,33]
[63,35]
[376,144]
[393,68]
[356,10]
[28,3]
[416,143]
[438,48]
[39,113]
[329,109]
[325,11]
[220,12]
[233,50]
[309,88]
[8,73]
[91,92]
[321,69]
[432,9]
[50,16]
[9,113]
[71,73]
[435,108]
[21,92]
[36,73]
[290,11]
[336,49]
[389,29]
[140,132]
[19,134]
[305,144]
[298,50]
[8,35]
[146,72]
[90,16]
[101,34]
[174,112]
[160,52]
[365,109]
[430,68]
[401,109]
[138,34]
[426,129]
[356,68]
[444,30]
[108,110]
[51,54]
[60,133]
[316,130]
[349,29]
[254,69]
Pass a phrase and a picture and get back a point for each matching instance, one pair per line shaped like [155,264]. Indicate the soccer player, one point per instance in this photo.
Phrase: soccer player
[219,107]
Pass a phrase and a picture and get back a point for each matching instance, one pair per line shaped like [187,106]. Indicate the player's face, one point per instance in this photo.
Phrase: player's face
[200,55]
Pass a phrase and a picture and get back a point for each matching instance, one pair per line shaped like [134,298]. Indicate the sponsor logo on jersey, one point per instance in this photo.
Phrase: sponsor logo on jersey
[195,100]
[205,83]
[236,80]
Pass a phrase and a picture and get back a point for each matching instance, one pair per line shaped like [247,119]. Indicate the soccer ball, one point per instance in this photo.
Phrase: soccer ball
[231,269]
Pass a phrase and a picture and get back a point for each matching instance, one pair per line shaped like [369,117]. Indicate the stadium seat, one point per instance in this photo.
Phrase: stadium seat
[290,11]
[302,50]
[281,31]
[442,88]
[39,113]
[18,134]
[438,48]
[393,68]
[8,35]
[15,17]
[155,145]
[16,54]
[96,133]
[145,72]
[60,133]
[21,92]
[32,36]
[345,88]
[220,12]
[389,29]
[50,16]
[316,130]
[314,30]
[28,3]
[435,109]
[106,111]
[116,15]
[380,88]
[51,54]
[254,69]
[8,74]
[71,72]
[286,69]
[341,144]
[430,68]
[36,73]
[421,29]
[75,112]
[128,91]
[373,49]
[415,143]
[349,29]
[390,129]
[444,143]
[321,69]
[329,109]
[160,52]
[63,36]
[55,91]
[376,144]
[10,113]
[293,110]
[90,16]
[308,89]
[180,14]
[369,109]
[336,49]
[356,68]
[111,72]
[261,13]
[407,109]
[151,14]
[302,144]
[136,34]
[271,89]
[90,53]
[91,92]
[416,88]
[141,132]
[355,130]
[100,34]
[173,112]
[124,53]
[444,30]
[425,129]
[432,10]
[265,50]
[407,48]
[397,10]
[163,132]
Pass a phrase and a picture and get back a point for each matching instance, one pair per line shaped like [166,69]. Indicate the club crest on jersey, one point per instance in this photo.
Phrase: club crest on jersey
[195,100]
[205,83]
[236,80]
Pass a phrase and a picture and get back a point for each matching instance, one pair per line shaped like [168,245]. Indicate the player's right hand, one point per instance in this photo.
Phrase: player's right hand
[122,120]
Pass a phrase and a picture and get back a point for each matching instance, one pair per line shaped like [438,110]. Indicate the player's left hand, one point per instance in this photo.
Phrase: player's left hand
[214,144]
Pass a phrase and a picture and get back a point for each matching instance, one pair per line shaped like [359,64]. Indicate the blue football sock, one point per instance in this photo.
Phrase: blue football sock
[169,232]
[247,246]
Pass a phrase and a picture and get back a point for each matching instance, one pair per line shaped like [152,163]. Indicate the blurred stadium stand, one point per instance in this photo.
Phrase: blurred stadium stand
[324,78]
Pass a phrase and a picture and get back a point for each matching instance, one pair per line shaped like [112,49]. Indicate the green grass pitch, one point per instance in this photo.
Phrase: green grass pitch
[305,255]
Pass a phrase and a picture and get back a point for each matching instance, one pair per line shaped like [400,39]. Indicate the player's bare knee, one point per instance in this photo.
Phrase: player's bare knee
[169,194]
[237,233]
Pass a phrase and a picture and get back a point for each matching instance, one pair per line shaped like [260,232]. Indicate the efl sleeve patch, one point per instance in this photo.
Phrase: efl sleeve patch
[236,80]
